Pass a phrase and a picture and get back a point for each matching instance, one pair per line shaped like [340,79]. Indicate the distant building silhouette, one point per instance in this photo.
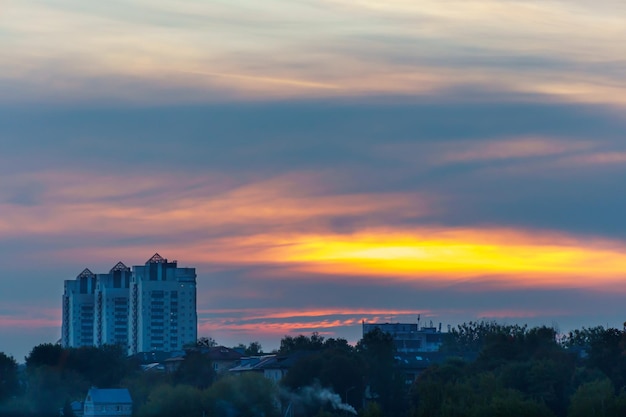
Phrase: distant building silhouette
[149,308]
[409,337]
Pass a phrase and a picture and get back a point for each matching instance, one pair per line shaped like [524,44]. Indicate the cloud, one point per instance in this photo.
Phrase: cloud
[28,317]
[511,258]
[301,225]
[187,52]
[94,204]
[319,162]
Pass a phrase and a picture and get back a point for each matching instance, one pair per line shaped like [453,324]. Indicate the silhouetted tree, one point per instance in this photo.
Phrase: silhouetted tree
[9,383]
[171,401]
[205,342]
[291,344]
[196,370]
[385,381]
[253,349]
[46,354]
[247,395]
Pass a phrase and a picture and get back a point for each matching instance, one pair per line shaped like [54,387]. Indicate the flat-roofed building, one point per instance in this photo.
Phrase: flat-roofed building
[148,308]
[78,310]
[111,307]
[409,337]
[162,308]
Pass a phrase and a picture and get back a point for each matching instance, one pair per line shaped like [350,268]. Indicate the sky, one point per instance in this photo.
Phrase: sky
[319,162]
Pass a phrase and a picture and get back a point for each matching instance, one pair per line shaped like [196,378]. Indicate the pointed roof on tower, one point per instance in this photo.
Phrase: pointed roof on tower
[157,259]
[119,267]
[86,273]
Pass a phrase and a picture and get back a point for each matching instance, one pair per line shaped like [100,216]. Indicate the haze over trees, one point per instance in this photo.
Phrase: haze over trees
[488,369]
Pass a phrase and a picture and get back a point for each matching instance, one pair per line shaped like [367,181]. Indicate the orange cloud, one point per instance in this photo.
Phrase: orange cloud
[102,206]
[272,313]
[512,149]
[277,322]
[596,158]
[28,323]
[29,317]
[285,222]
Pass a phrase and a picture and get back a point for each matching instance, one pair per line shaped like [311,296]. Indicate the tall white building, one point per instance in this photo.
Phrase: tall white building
[78,310]
[149,308]
[111,306]
[162,313]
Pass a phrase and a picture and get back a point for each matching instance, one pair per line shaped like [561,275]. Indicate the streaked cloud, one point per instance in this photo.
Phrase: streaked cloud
[321,162]
[95,204]
[241,50]
[18,316]
[512,258]
[288,221]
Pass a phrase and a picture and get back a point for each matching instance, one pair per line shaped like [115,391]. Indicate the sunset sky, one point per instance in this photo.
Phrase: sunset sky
[320,162]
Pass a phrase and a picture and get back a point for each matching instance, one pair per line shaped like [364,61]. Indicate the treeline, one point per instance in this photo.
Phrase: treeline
[488,369]
[54,376]
[498,370]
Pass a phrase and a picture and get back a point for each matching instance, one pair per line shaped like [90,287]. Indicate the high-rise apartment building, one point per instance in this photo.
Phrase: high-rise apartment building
[111,306]
[149,308]
[162,313]
[78,310]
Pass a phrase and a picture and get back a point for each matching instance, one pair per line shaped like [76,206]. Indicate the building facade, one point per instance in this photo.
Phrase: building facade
[409,337]
[111,306]
[162,309]
[78,310]
[112,402]
[148,308]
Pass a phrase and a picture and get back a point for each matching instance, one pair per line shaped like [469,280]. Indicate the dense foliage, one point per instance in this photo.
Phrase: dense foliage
[525,372]
[487,369]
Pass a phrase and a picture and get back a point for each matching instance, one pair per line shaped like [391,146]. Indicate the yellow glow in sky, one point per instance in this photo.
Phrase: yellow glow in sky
[501,255]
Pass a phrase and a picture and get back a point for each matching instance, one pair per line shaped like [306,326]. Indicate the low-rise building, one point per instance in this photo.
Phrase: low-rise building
[110,402]
[222,358]
[409,337]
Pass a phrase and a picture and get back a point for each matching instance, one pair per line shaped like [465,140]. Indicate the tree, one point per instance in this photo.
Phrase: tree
[338,344]
[377,350]
[9,383]
[247,395]
[290,344]
[339,369]
[595,398]
[254,349]
[511,403]
[604,349]
[102,366]
[169,401]
[206,342]
[196,370]
[429,390]
[46,354]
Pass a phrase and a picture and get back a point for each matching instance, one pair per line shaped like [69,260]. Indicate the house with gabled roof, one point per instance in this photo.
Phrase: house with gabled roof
[223,358]
[109,402]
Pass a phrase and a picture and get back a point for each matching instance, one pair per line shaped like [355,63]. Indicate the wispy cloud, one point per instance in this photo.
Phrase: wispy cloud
[195,51]
[16,316]
[103,205]
[289,221]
